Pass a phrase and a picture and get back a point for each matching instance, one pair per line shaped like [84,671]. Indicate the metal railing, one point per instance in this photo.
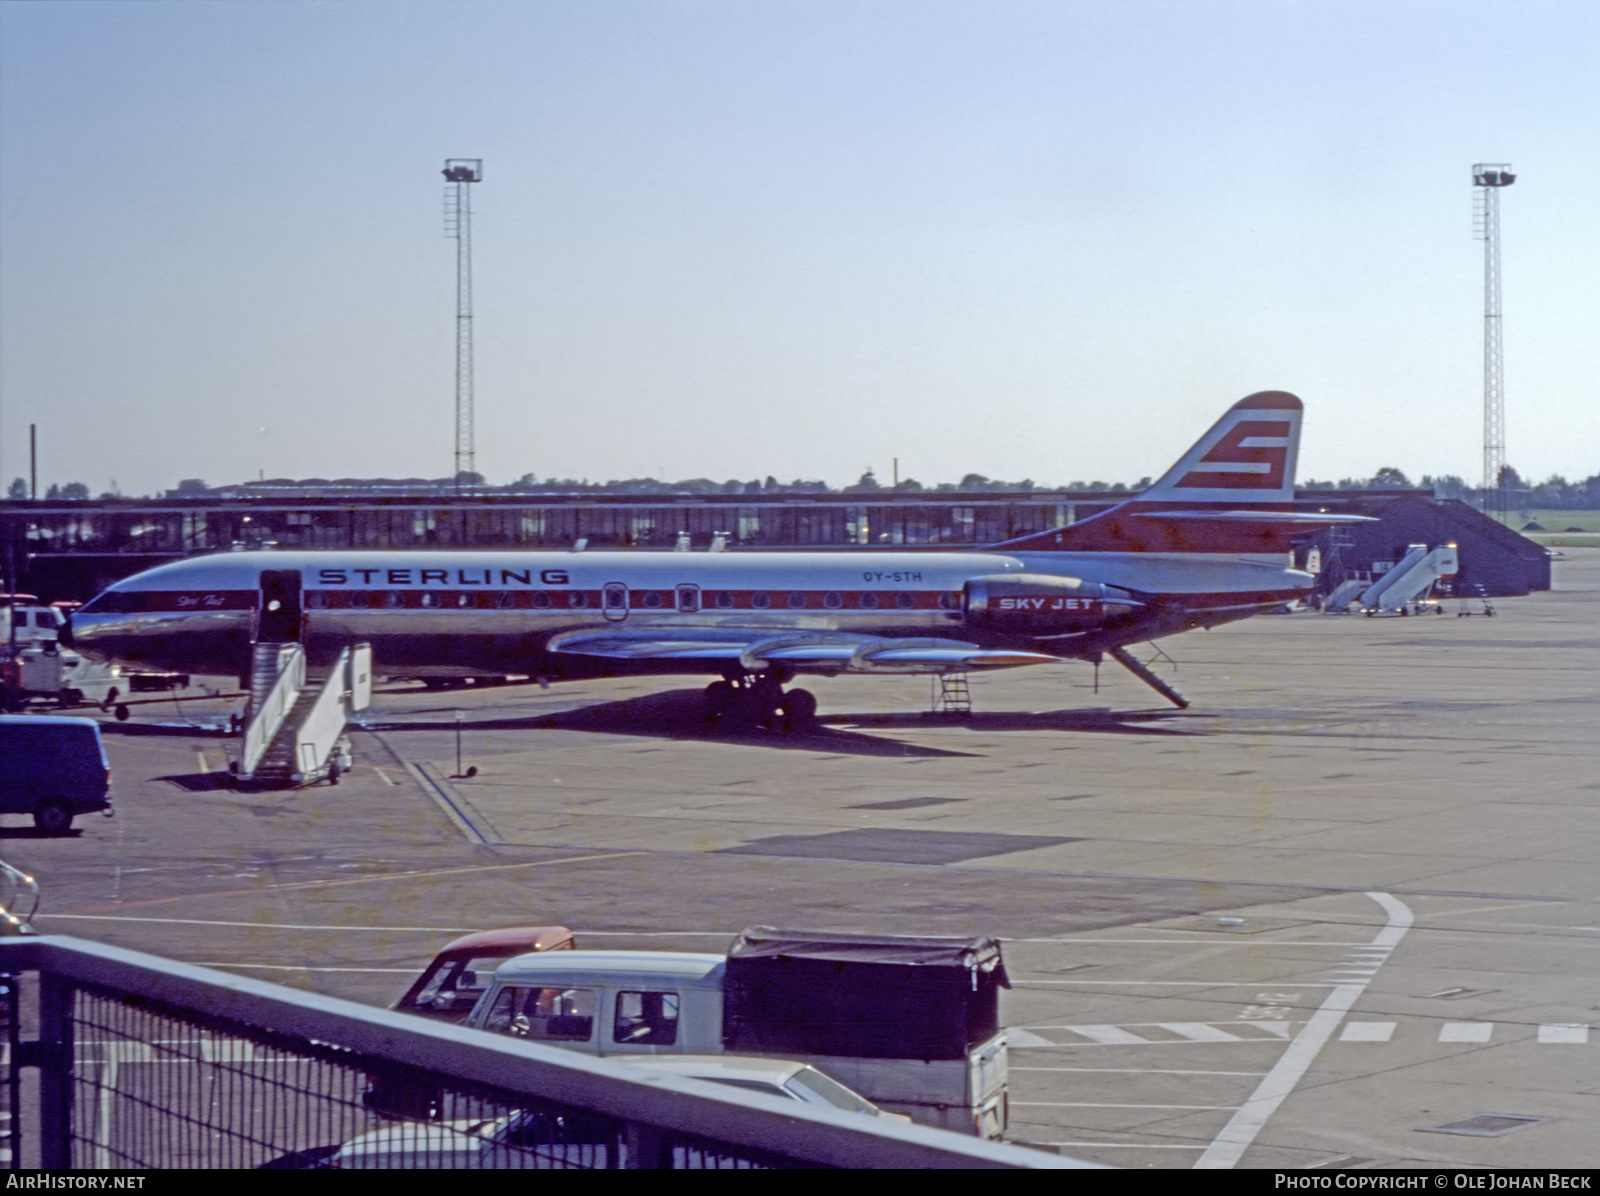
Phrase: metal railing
[117,1059]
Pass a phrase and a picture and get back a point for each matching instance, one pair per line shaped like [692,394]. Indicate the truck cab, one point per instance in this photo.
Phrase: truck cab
[609,1002]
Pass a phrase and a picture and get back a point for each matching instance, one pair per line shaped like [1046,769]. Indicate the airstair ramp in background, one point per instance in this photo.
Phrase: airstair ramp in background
[1412,578]
[296,729]
[1347,591]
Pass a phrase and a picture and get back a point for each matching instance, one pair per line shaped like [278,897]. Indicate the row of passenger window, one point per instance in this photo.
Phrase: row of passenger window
[471,600]
[578,599]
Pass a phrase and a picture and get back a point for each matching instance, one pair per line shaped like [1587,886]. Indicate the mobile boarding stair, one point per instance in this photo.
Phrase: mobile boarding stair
[295,734]
[1408,584]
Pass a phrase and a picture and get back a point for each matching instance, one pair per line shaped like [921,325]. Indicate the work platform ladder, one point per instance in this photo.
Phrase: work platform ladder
[295,727]
[951,694]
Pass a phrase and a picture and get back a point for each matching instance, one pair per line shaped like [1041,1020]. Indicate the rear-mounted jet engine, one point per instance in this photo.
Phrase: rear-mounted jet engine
[1042,605]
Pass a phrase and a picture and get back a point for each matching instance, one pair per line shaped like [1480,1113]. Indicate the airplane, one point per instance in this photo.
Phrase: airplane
[1209,543]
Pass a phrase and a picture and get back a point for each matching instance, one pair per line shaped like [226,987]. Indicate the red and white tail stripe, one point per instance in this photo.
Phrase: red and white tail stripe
[1247,456]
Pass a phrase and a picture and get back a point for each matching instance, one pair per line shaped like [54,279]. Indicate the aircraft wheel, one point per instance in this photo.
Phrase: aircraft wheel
[799,708]
[721,698]
[122,714]
[53,816]
[766,712]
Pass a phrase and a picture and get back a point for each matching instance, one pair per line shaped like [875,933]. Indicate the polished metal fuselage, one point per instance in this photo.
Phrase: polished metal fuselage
[464,613]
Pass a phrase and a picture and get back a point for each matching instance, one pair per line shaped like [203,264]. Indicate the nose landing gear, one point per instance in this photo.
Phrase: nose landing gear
[758,700]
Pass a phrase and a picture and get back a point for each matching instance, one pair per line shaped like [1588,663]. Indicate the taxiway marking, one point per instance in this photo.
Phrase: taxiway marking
[1229,1146]
[1367,1032]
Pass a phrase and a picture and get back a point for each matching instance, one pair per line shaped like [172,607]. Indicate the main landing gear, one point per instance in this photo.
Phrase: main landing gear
[744,700]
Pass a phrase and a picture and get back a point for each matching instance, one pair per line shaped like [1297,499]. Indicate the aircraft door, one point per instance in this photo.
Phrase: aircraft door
[688,599]
[614,603]
[278,617]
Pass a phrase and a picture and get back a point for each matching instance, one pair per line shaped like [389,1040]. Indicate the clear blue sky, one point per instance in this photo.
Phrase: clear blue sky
[799,237]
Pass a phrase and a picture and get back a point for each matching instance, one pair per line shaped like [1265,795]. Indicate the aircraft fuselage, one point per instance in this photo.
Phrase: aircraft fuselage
[460,613]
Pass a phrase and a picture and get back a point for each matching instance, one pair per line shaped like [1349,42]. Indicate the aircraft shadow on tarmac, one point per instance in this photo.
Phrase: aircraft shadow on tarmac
[1102,721]
[202,782]
[680,714]
[215,729]
[33,832]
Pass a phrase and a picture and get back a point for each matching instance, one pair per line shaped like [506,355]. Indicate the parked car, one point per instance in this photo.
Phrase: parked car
[784,1078]
[537,1138]
[53,768]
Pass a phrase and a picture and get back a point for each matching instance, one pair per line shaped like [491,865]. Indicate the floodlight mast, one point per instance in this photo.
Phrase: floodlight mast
[459,173]
[1488,178]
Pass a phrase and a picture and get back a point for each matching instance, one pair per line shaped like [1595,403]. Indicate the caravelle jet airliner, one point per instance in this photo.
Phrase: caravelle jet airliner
[1208,544]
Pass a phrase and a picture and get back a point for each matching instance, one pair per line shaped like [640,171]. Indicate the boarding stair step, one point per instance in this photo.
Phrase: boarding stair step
[278,761]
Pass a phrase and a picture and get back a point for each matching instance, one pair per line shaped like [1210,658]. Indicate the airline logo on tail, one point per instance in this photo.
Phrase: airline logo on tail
[1251,456]
[1248,454]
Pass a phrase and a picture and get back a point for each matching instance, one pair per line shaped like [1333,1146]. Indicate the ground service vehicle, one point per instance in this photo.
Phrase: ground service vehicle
[450,986]
[912,1024]
[53,768]
[34,666]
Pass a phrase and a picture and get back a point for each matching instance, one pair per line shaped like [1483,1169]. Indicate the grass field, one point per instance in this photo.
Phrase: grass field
[1557,525]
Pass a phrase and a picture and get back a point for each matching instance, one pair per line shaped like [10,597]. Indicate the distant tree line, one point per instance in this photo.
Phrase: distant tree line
[1555,492]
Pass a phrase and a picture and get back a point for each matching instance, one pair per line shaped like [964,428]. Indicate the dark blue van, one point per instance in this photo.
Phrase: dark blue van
[53,768]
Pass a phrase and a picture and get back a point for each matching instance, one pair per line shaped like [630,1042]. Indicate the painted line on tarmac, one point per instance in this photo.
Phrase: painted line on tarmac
[359,880]
[1123,1145]
[368,929]
[1147,1071]
[273,925]
[1176,983]
[1078,1104]
[297,967]
[1236,1137]
[1253,942]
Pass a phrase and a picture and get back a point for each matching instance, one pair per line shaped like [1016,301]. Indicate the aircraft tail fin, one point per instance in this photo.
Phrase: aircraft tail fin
[1248,456]
[1232,492]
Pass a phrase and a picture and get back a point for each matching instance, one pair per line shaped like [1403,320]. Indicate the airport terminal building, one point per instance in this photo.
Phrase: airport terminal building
[71,549]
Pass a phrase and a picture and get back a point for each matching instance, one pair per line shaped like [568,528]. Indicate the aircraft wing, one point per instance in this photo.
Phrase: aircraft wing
[756,648]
